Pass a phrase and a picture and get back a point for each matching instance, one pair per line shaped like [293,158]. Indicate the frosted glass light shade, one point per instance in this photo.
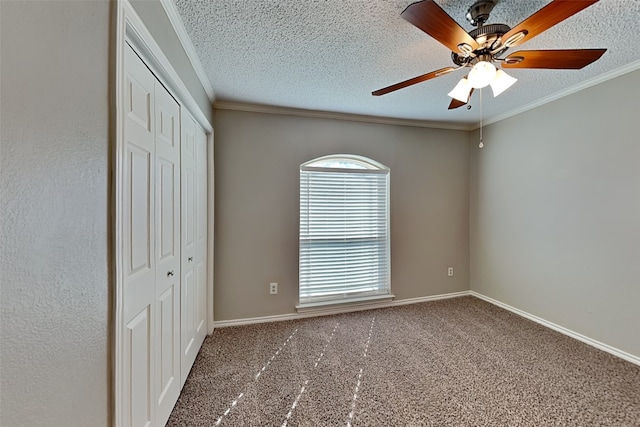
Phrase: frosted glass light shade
[482,74]
[462,91]
[502,82]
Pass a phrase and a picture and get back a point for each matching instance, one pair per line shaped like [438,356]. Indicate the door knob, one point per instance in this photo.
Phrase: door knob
[170,273]
[190,259]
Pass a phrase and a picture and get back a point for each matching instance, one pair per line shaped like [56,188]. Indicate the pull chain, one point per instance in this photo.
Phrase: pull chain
[481,143]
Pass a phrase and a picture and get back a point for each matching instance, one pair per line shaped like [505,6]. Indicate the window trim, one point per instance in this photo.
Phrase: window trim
[368,301]
[370,164]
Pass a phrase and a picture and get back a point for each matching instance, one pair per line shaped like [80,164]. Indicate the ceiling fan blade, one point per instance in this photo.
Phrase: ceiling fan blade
[562,59]
[545,18]
[457,104]
[414,80]
[433,20]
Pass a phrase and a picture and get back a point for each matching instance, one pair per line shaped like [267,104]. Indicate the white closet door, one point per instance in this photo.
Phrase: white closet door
[188,286]
[167,219]
[139,291]
[201,237]
[193,289]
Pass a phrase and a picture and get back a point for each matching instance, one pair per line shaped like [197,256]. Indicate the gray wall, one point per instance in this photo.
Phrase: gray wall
[257,159]
[55,199]
[555,212]
[54,106]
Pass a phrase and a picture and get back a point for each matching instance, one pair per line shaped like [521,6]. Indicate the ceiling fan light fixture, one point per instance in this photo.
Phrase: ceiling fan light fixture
[462,91]
[481,48]
[502,82]
[482,74]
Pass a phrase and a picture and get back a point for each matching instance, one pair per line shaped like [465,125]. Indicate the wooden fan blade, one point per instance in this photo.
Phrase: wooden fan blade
[545,18]
[457,104]
[413,81]
[562,59]
[433,20]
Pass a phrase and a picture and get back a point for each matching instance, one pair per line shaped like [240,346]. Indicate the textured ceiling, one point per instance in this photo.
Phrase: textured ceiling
[329,55]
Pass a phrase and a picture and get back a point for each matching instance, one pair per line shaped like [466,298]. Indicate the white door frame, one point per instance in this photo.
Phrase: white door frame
[131,30]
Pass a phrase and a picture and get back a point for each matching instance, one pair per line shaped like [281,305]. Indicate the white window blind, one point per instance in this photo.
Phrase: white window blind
[344,229]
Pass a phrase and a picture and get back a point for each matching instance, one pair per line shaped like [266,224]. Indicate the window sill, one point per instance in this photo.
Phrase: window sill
[360,302]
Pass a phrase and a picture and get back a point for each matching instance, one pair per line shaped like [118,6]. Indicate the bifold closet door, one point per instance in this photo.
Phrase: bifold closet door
[139,258]
[201,235]
[151,248]
[194,222]
[167,218]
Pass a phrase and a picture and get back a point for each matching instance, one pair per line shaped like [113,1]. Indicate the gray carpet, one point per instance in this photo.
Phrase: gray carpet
[456,362]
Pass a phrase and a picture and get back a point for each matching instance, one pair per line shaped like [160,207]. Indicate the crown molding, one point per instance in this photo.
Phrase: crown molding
[260,108]
[136,34]
[269,109]
[612,74]
[187,45]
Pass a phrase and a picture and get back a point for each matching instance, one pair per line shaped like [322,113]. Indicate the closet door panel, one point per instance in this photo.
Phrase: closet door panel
[189,295]
[167,220]
[201,235]
[140,410]
[138,250]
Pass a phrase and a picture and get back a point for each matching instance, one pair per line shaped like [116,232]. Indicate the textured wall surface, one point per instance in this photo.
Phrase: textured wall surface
[555,212]
[257,164]
[54,109]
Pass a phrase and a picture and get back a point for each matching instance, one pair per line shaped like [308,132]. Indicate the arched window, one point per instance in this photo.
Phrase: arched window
[344,229]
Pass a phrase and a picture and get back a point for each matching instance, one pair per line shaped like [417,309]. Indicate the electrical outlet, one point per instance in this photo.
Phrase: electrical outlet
[450,271]
[273,288]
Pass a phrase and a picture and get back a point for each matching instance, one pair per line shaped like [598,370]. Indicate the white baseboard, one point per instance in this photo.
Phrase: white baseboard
[335,310]
[590,341]
[348,309]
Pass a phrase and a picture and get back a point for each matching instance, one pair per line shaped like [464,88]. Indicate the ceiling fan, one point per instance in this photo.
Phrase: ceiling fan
[482,47]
